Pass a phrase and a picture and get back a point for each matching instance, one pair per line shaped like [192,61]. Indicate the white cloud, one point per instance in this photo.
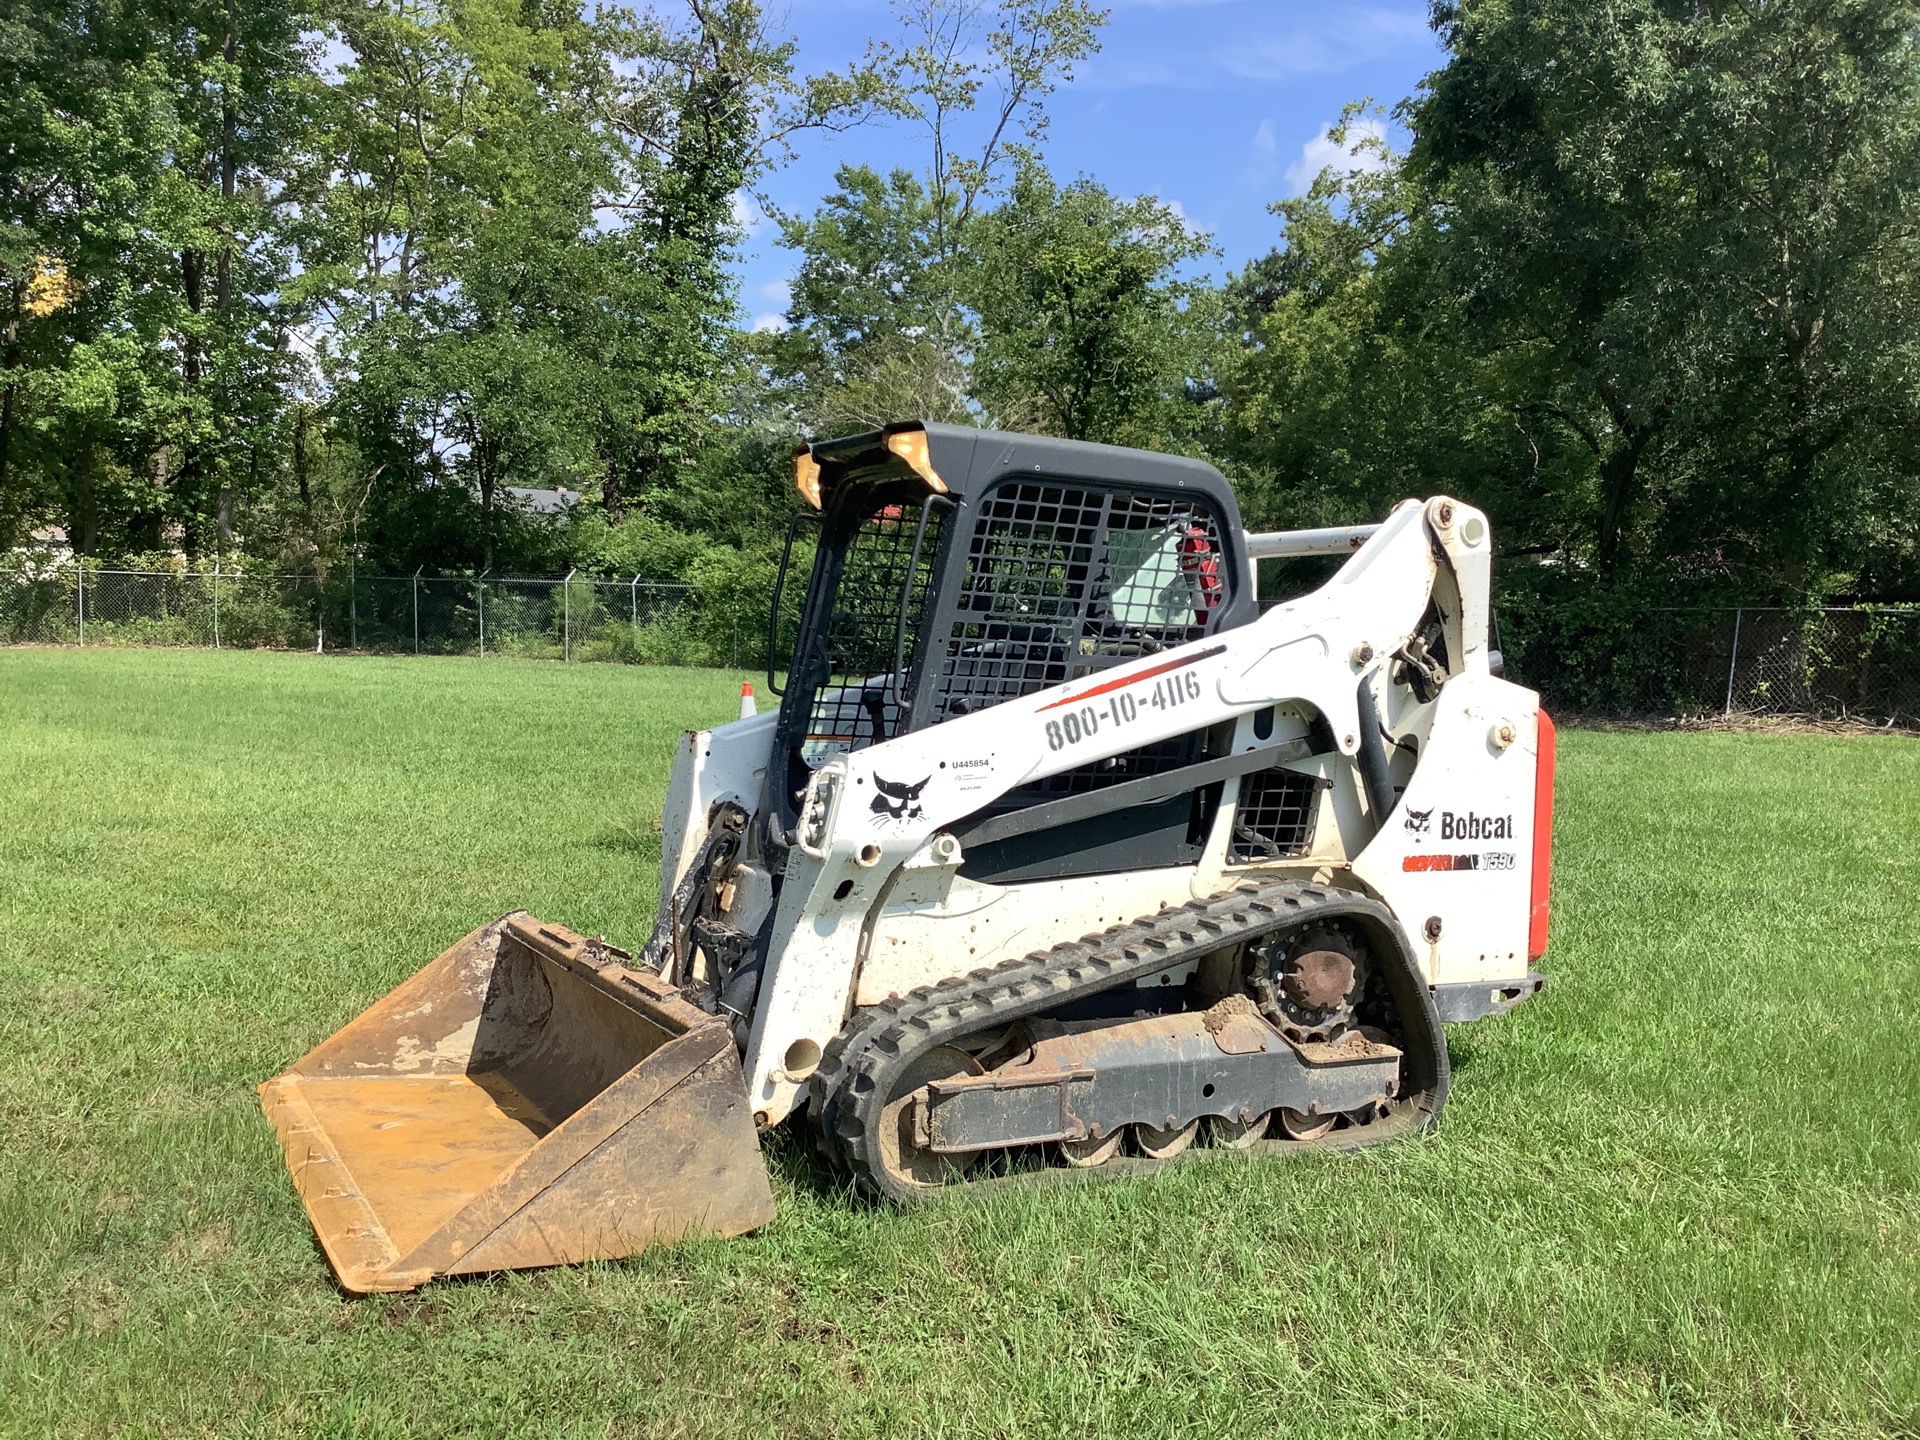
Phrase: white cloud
[1198,227]
[1354,38]
[1205,41]
[1112,72]
[779,291]
[307,341]
[1263,155]
[769,324]
[747,215]
[1321,153]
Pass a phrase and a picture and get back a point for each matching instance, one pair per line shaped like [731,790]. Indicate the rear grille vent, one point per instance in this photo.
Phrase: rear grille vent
[1275,817]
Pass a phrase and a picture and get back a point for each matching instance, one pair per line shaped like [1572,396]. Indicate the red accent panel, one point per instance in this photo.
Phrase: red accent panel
[1135,678]
[1544,755]
[1417,863]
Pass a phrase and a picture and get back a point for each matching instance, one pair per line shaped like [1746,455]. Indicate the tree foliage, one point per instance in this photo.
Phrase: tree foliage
[303,277]
[1640,277]
[1644,284]
[1088,327]
[142,378]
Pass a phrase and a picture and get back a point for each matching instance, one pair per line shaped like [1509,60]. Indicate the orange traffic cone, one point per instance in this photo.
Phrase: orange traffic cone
[747,708]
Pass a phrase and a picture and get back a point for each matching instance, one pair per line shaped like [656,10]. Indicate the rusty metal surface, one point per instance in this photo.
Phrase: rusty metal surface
[524,1100]
[1317,979]
[1164,1075]
[1236,1026]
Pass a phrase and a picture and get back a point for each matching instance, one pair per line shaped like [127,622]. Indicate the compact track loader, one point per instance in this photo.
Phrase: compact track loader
[1059,855]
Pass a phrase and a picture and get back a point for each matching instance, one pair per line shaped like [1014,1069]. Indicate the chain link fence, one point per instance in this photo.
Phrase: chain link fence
[1836,662]
[573,618]
[1849,662]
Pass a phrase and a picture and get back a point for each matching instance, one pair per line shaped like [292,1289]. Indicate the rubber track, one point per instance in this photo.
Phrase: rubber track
[852,1085]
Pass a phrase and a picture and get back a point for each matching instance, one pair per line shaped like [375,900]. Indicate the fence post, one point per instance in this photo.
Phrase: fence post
[80,568]
[566,621]
[416,610]
[1733,660]
[216,601]
[480,591]
[353,602]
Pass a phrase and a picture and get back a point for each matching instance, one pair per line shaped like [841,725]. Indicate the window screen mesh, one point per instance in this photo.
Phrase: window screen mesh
[859,702]
[1275,816]
[1062,580]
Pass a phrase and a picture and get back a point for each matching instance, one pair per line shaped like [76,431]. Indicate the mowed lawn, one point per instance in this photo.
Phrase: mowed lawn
[1676,1195]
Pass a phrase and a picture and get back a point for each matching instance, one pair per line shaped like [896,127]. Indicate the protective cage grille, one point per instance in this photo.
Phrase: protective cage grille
[1061,580]
[1275,816]
[859,702]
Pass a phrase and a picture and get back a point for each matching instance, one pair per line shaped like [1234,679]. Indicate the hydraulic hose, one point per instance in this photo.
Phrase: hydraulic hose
[1373,756]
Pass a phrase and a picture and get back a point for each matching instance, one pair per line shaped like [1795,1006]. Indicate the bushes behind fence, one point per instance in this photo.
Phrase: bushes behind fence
[717,616]
[1616,649]
[1627,650]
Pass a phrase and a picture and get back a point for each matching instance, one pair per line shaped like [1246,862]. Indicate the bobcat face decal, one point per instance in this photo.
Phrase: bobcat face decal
[1420,821]
[897,803]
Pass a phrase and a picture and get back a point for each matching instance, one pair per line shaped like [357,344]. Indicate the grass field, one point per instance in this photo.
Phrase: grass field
[1676,1195]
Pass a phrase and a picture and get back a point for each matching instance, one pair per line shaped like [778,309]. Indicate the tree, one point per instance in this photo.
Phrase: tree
[1699,224]
[1087,329]
[142,369]
[522,218]
[880,320]
[1350,381]
[875,330]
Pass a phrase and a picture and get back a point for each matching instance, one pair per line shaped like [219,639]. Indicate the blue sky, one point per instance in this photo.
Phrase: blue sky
[1219,106]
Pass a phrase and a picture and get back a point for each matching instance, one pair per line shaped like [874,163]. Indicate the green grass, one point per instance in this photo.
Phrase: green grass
[1676,1195]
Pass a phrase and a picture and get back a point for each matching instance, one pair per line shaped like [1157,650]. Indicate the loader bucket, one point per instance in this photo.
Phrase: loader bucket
[525,1100]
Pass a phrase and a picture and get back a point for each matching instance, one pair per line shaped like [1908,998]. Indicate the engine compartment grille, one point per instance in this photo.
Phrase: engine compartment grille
[1275,817]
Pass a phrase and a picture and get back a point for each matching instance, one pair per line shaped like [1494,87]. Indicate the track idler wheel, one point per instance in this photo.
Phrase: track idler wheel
[1299,1125]
[1163,1144]
[903,1158]
[1240,1134]
[1086,1154]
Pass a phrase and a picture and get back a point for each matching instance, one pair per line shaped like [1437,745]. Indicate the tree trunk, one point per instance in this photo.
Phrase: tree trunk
[300,467]
[611,500]
[486,456]
[193,277]
[223,297]
[9,360]
[1619,482]
[6,439]
[229,166]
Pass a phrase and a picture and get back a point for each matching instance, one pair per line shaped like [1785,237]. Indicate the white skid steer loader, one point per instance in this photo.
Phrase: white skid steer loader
[1058,854]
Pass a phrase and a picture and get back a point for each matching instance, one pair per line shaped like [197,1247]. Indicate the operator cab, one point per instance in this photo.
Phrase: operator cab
[955,568]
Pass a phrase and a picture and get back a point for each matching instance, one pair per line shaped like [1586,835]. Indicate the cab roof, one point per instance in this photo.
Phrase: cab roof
[961,460]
